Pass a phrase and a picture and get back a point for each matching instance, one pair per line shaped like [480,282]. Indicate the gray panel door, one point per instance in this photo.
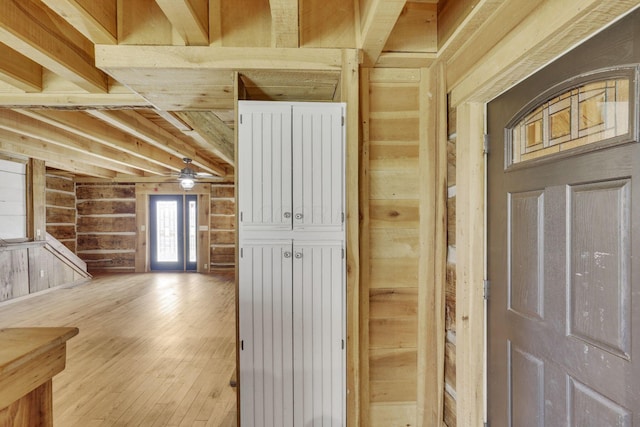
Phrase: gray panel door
[563,245]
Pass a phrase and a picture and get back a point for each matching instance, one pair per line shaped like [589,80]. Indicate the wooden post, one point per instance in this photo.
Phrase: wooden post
[365,255]
[432,270]
[142,229]
[36,185]
[349,84]
[470,246]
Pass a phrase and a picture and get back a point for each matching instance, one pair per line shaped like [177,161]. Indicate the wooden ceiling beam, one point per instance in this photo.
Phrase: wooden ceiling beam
[285,28]
[382,16]
[208,127]
[19,71]
[532,45]
[44,37]
[135,124]
[96,130]
[73,101]
[189,18]
[96,20]
[59,157]
[124,59]
[100,155]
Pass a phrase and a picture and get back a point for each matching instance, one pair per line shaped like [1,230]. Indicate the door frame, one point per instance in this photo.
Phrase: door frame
[143,191]
[466,109]
[183,225]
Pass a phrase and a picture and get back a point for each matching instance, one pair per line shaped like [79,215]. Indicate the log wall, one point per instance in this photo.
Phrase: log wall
[223,227]
[450,289]
[61,208]
[106,226]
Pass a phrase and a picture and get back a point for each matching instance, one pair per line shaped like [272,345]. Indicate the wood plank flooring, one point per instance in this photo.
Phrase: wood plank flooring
[154,349]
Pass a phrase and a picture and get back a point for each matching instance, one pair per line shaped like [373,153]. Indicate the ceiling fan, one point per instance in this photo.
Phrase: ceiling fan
[188,176]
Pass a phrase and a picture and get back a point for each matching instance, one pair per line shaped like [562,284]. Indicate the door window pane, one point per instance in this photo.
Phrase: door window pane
[584,115]
[167,231]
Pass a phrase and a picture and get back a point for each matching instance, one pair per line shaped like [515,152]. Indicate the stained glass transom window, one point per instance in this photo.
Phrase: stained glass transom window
[584,115]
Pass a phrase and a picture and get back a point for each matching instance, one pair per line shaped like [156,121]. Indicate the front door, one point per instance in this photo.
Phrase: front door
[563,228]
[173,232]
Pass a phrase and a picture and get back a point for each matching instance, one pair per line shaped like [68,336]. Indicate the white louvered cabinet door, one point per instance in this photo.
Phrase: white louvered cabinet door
[319,334]
[265,330]
[264,169]
[318,167]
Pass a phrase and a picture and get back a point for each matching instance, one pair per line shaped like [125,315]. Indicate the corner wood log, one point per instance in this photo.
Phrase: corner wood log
[88,224]
[93,207]
[90,242]
[100,192]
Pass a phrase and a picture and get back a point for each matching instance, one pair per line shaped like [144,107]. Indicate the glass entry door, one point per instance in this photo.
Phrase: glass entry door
[173,226]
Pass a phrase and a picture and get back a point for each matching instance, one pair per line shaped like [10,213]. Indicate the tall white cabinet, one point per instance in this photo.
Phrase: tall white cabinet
[292,264]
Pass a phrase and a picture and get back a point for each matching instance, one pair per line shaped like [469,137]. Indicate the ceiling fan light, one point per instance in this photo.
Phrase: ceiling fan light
[187,183]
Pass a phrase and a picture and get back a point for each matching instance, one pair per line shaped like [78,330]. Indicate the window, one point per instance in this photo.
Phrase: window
[13,200]
[586,114]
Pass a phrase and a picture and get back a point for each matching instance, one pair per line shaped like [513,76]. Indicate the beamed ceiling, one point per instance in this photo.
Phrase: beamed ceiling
[124,89]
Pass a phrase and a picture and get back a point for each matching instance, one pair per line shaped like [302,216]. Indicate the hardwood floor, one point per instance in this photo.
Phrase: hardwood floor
[153,349]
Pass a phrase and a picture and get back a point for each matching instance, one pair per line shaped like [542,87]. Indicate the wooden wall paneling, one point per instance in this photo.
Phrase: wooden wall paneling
[246,23]
[14,274]
[393,273]
[393,414]
[416,29]
[349,93]
[393,243]
[327,23]
[394,213]
[470,265]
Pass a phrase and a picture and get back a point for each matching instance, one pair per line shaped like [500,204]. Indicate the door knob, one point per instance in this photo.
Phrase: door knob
[298,216]
[287,254]
[298,255]
[287,214]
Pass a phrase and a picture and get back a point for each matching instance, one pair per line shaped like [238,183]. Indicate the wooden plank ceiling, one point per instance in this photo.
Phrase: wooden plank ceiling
[124,90]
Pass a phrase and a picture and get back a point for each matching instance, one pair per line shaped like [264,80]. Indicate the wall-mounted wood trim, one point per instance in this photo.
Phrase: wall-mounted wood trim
[470,224]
